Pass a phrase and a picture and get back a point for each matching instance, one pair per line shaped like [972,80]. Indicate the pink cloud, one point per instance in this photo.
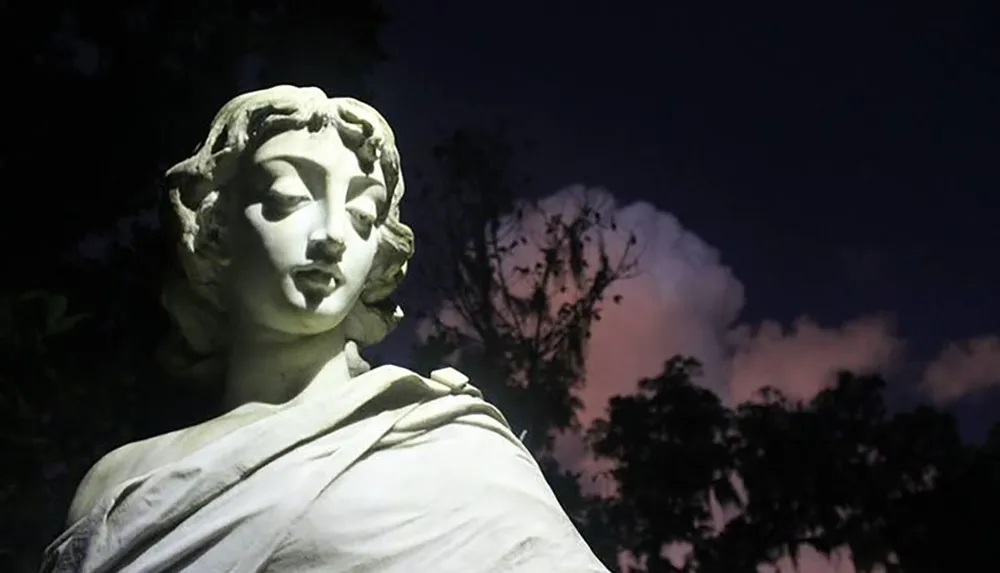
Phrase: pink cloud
[805,358]
[963,367]
[684,300]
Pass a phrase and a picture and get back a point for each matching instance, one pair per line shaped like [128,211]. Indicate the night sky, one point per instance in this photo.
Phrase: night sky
[816,188]
[842,162]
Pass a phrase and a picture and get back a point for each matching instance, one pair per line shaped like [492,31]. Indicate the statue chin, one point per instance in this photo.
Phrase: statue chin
[301,315]
[295,309]
[321,300]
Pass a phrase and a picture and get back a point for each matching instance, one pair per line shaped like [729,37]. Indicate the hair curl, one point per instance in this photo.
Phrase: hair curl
[197,301]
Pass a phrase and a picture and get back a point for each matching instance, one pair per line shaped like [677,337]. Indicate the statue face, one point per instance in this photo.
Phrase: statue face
[302,232]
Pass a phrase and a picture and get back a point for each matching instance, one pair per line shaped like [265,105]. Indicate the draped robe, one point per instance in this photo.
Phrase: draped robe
[397,473]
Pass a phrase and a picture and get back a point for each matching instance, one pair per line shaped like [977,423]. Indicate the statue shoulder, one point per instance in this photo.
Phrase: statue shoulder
[110,470]
[136,458]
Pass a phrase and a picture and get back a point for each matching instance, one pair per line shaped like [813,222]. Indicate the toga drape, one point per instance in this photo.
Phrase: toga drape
[398,473]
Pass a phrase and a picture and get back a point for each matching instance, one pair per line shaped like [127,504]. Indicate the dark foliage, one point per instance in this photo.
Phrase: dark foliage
[101,100]
[899,491]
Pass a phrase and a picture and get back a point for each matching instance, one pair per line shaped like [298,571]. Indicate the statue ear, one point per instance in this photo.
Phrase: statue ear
[383,280]
[189,177]
[367,325]
[213,223]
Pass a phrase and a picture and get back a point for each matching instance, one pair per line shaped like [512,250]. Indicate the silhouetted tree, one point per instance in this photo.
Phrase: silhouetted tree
[809,468]
[848,470]
[518,297]
[950,526]
[901,492]
[520,288]
[669,446]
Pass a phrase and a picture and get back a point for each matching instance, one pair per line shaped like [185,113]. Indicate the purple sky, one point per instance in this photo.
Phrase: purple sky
[841,163]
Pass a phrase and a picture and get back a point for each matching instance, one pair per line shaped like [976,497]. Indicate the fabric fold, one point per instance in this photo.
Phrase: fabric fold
[235,503]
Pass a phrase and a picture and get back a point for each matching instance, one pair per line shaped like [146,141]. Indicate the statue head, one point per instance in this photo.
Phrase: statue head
[288,216]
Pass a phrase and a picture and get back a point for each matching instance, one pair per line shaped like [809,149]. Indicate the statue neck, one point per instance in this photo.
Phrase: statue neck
[271,367]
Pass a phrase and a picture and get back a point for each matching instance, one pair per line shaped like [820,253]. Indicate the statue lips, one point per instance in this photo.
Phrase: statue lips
[317,279]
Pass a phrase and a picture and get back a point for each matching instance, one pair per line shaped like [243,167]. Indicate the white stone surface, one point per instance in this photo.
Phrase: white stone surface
[291,244]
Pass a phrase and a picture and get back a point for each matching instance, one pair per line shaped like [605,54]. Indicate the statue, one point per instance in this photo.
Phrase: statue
[290,246]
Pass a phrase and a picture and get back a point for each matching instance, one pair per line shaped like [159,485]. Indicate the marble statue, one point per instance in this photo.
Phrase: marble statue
[290,246]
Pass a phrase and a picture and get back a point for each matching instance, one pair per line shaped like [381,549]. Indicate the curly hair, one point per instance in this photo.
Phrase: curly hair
[197,301]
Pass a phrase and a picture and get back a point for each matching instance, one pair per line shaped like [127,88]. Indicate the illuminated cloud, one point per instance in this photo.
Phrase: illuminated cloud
[684,300]
[963,368]
[805,358]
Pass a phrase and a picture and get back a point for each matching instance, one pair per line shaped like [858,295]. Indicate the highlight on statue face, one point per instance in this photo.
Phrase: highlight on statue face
[303,231]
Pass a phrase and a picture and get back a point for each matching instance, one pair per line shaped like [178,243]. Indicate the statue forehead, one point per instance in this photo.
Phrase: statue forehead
[324,149]
[323,145]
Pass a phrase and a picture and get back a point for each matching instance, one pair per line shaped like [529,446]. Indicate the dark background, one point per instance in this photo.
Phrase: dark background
[841,157]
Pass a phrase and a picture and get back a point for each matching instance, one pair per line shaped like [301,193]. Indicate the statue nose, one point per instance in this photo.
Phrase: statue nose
[326,248]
